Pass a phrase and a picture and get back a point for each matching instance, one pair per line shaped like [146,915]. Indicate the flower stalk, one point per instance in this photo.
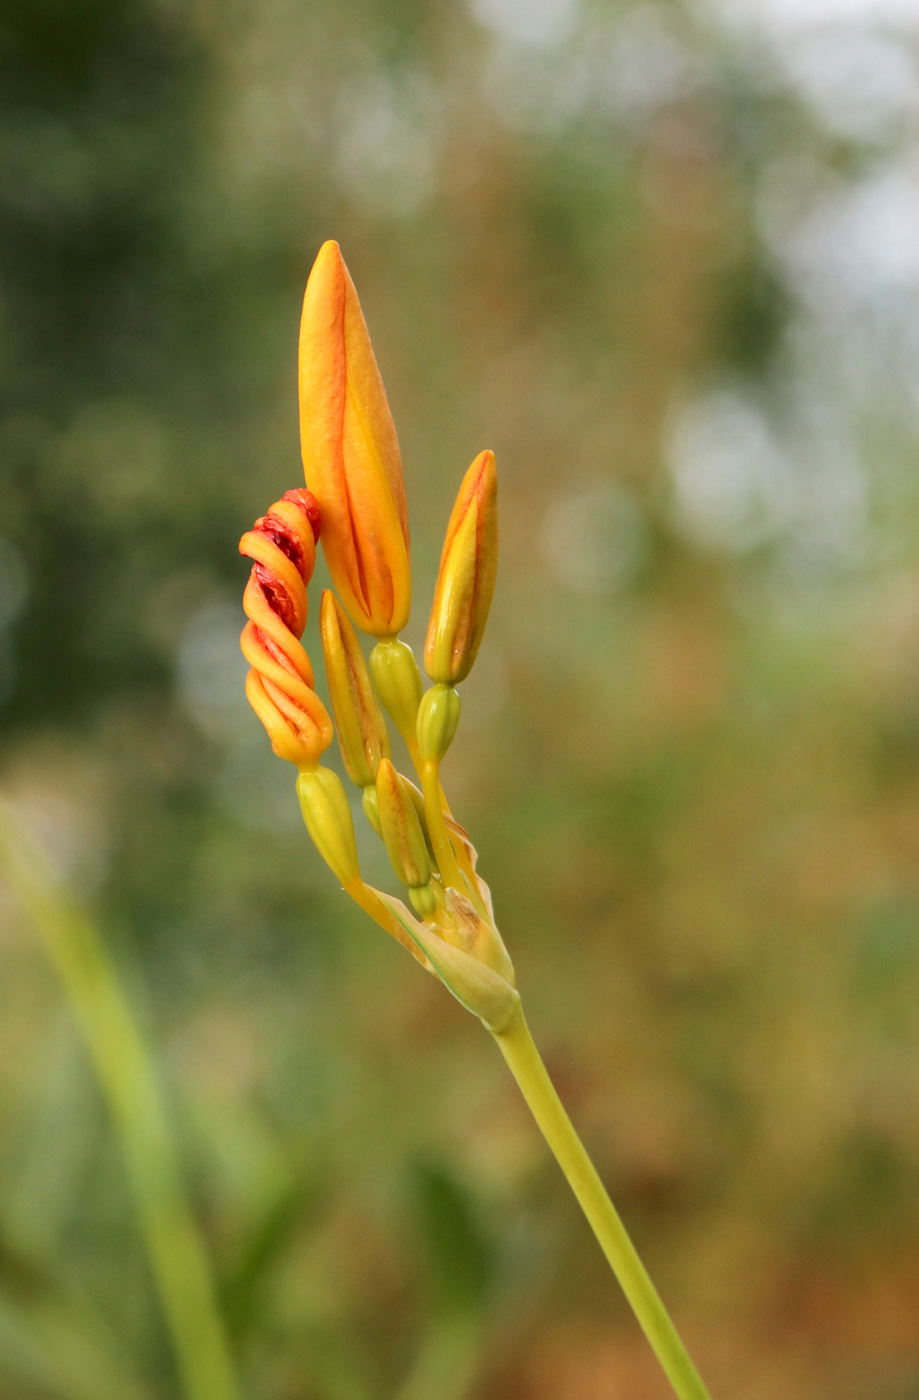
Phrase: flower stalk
[525,1063]
[352,465]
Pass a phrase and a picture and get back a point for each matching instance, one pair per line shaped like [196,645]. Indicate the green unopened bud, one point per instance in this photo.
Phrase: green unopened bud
[359,723]
[438,716]
[466,578]
[401,829]
[399,682]
[424,900]
[328,820]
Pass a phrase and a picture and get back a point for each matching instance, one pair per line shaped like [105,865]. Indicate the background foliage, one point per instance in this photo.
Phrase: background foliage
[662,259]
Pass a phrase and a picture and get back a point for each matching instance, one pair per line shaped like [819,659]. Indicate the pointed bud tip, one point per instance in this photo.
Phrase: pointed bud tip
[486,465]
[327,261]
[387,776]
[326,606]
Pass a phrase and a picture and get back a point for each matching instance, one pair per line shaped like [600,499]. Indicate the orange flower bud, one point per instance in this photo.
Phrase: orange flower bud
[361,728]
[350,452]
[402,831]
[466,579]
[279,685]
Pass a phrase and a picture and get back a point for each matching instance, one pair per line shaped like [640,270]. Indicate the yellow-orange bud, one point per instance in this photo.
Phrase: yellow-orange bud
[466,579]
[402,832]
[279,685]
[361,728]
[350,452]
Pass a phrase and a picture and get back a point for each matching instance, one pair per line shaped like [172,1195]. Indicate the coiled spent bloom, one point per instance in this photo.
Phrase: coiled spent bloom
[280,683]
[350,452]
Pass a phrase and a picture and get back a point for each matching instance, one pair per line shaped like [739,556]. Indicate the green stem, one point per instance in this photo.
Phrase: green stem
[526,1065]
[124,1067]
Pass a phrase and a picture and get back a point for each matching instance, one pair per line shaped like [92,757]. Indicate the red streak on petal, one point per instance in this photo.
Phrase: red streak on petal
[276,596]
[309,505]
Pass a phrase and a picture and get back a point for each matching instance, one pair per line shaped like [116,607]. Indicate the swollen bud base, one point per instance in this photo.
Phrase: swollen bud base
[438,717]
[399,684]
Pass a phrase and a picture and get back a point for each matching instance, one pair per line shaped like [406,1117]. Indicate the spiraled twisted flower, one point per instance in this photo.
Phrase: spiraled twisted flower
[280,683]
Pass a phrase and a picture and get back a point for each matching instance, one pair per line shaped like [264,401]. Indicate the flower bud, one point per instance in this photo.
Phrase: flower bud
[371,808]
[401,829]
[418,803]
[466,579]
[400,686]
[438,717]
[361,728]
[350,452]
[328,820]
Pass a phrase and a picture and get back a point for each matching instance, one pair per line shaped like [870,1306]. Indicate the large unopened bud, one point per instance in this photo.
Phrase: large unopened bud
[350,452]
[404,837]
[361,728]
[466,580]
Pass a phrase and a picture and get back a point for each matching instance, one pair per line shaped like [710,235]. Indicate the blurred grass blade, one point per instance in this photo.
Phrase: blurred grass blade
[242,1288]
[53,1344]
[459,1261]
[52,1338]
[124,1066]
[447,1360]
[459,1269]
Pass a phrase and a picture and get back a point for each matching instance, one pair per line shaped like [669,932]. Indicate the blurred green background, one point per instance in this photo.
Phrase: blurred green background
[663,258]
